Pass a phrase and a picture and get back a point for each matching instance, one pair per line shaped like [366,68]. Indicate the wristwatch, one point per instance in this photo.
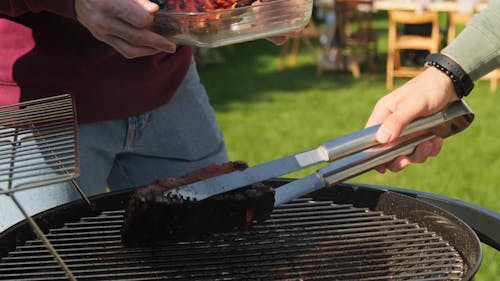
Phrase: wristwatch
[461,81]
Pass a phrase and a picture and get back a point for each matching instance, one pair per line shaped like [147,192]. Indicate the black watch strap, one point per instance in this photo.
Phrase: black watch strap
[461,80]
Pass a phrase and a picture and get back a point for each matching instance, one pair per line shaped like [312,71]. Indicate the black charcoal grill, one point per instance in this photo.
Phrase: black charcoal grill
[345,232]
[341,232]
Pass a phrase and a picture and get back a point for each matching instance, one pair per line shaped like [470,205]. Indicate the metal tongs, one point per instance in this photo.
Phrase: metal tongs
[356,153]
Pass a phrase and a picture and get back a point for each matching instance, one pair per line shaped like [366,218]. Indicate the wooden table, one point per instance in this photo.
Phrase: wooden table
[443,6]
[438,6]
[339,50]
[446,6]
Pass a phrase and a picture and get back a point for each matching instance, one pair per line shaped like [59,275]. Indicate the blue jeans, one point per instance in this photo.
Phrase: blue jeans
[167,142]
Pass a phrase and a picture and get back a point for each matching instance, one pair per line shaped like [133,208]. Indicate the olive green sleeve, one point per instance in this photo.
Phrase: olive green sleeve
[477,48]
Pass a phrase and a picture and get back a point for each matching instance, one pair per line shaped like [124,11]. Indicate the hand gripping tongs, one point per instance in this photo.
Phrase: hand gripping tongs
[358,150]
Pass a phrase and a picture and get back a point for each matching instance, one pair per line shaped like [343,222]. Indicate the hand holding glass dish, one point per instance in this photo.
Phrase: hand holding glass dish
[204,23]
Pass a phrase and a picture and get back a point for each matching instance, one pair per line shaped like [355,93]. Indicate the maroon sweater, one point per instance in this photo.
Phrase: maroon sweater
[44,51]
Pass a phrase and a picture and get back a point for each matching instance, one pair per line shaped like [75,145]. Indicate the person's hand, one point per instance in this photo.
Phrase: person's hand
[280,40]
[124,25]
[424,95]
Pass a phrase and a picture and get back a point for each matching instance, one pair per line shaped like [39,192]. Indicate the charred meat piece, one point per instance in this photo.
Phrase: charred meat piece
[201,174]
[152,215]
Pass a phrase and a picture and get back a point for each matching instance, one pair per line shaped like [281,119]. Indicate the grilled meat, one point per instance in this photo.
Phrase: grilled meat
[205,5]
[152,216]
[203,24]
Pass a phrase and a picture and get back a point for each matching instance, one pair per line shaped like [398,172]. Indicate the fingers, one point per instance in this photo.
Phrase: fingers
[394,112]
[128,50]
[138,15]
[124,25]
[422,152]
[398,164]
[423,95]
[149,6]
[134,42]
[278,40]
[396,121]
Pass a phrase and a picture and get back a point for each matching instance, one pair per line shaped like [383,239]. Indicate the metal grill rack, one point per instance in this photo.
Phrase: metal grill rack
[303,240]
[37,143]
[38,147]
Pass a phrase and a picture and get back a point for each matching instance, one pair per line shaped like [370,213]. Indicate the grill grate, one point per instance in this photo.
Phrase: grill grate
[303,240]
[38,148]
[37,143]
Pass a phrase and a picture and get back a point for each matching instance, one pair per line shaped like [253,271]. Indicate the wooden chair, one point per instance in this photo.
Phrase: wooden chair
[456,20]
[398,41]
[459,20]
[290,49]
[358,38]
[355,36]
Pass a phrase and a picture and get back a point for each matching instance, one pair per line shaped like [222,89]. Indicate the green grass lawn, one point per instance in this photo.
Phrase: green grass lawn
[266,114]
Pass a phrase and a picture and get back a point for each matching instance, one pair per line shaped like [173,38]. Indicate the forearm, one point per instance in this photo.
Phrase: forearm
[14,8]
[477,48]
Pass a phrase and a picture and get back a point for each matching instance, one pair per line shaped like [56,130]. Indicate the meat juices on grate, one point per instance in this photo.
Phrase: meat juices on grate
[152,216]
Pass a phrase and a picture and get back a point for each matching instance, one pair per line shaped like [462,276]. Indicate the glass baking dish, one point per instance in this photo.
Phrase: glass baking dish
[233,25]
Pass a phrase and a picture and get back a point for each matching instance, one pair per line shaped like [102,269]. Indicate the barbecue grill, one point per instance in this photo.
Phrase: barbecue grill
[340,232]
[344,232]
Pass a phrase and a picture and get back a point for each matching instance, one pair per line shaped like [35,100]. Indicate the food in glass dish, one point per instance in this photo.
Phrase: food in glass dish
[205,5]
[213,23]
